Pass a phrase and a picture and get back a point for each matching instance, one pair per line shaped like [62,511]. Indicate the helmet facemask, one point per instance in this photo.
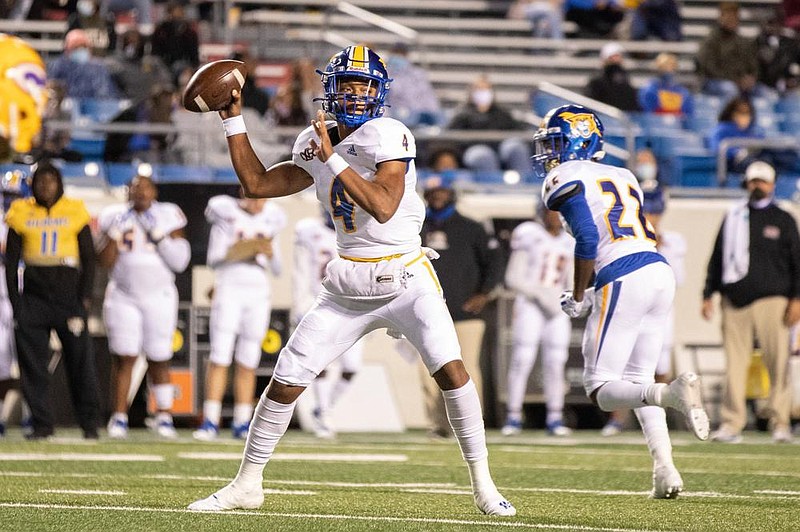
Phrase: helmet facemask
[352,109]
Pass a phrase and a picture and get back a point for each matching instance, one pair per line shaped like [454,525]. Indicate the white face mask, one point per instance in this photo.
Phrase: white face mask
[646,171]
[482,97]
[81,55]
[85,7]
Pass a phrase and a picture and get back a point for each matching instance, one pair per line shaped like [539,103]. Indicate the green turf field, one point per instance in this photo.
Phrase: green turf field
[403,483]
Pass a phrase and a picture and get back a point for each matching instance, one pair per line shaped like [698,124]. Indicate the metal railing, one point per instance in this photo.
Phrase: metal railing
[783,142]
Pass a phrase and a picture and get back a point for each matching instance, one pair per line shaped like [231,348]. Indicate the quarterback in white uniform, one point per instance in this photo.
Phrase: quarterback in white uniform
[538,271]
[362,166]
[142,243]
[242,245]
[314,248]
[633,285]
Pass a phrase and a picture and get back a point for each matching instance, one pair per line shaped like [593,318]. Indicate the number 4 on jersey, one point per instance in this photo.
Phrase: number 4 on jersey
[342,206]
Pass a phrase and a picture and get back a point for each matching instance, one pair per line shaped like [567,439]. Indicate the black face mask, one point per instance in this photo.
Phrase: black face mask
[614,69]
[757,194]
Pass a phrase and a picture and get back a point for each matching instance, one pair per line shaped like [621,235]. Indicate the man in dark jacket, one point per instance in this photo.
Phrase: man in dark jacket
[50,234]
[612,85]
[469,269]
[755,266]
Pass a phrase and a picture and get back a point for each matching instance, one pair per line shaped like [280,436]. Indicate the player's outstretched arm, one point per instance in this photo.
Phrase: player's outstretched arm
[282,179]
[381,197]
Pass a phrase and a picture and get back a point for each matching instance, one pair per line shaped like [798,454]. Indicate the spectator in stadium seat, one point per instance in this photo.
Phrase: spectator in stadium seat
[656,18]
[411,98]
[612,85]
[252,95]
[727,61]
[134,70]
[778,55]
[482,112]
[664,95]
[175,40]
[595,18]
[737,120]
[546,16]
[83,76]
[143,10]
[99,27]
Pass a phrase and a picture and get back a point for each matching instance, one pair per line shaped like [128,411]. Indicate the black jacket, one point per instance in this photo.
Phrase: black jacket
[470,261]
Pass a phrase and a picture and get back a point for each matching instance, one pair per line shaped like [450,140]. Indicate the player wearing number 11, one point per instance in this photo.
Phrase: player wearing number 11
[633,285]
[362,166]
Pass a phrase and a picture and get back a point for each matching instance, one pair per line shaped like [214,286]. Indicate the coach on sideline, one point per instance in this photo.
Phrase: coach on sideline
[50,233]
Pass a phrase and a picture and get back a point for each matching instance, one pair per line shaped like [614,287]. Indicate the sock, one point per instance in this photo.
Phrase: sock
[322,392]
[212,411]
[122,416]
[339,388]
[618,395]
[269,424]
[466,419]
[654,426]
[653,394]
[242,413]
[164,395]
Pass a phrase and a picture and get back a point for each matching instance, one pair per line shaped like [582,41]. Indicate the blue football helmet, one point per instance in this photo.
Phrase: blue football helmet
[14,184]
[567,133]
[355,63]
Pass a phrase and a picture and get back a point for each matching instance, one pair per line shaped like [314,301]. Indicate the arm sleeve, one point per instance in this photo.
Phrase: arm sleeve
[88,258]
[175,252]
[13,255]
[714,270]
[576,212]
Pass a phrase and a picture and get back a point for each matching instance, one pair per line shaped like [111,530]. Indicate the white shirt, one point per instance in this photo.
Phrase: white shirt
[358,234]
[139,268]
[230,223]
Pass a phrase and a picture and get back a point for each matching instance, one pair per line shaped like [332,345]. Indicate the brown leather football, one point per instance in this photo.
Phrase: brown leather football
[210,87]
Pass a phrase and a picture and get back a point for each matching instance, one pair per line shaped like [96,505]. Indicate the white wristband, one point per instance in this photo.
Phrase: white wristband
[336,164]
[234,125]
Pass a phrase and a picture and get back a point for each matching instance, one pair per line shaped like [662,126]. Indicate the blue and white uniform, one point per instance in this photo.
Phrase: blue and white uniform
[634,285]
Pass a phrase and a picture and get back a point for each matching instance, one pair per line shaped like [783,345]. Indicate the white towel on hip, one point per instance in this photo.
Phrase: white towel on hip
[736,244]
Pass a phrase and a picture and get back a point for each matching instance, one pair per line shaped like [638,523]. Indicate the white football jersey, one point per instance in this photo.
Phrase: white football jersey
[614,201]
[229,224]
[357,233]
[673,246]
[139,268]
[549,257]
[314,247]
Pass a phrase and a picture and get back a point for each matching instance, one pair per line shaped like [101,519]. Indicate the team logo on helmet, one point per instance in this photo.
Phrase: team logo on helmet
[581,124]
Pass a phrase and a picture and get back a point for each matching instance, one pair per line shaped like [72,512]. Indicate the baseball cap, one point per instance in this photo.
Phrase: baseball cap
[760,170]
[611,49]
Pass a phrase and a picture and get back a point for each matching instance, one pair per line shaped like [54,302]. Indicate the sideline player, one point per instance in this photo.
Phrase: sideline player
[242,245]
[314,248]
[381,279]
[633,289]
[141,242]
[538,271]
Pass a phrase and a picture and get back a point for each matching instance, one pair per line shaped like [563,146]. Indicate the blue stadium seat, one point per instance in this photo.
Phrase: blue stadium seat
[119,174]
[788,104]
[225,175]
[176,173]
[786,186]
[695,168]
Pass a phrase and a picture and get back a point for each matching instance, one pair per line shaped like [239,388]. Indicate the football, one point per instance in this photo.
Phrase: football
[210,87]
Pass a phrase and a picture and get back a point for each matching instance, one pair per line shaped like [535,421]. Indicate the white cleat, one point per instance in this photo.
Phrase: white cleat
[162,425]
[667,483]
[684,394]
[322,425]
[230,498]
[492,503]
[117,428]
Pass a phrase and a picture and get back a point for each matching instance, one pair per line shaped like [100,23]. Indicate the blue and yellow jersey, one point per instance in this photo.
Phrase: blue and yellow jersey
[49,236]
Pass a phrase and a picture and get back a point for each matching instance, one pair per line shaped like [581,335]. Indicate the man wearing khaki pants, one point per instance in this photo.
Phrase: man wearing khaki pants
[469,269]
[755,266]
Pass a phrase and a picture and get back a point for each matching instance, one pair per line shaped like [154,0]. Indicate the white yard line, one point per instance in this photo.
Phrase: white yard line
[333,517]
[302,457]
[80,457]
[84,492]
